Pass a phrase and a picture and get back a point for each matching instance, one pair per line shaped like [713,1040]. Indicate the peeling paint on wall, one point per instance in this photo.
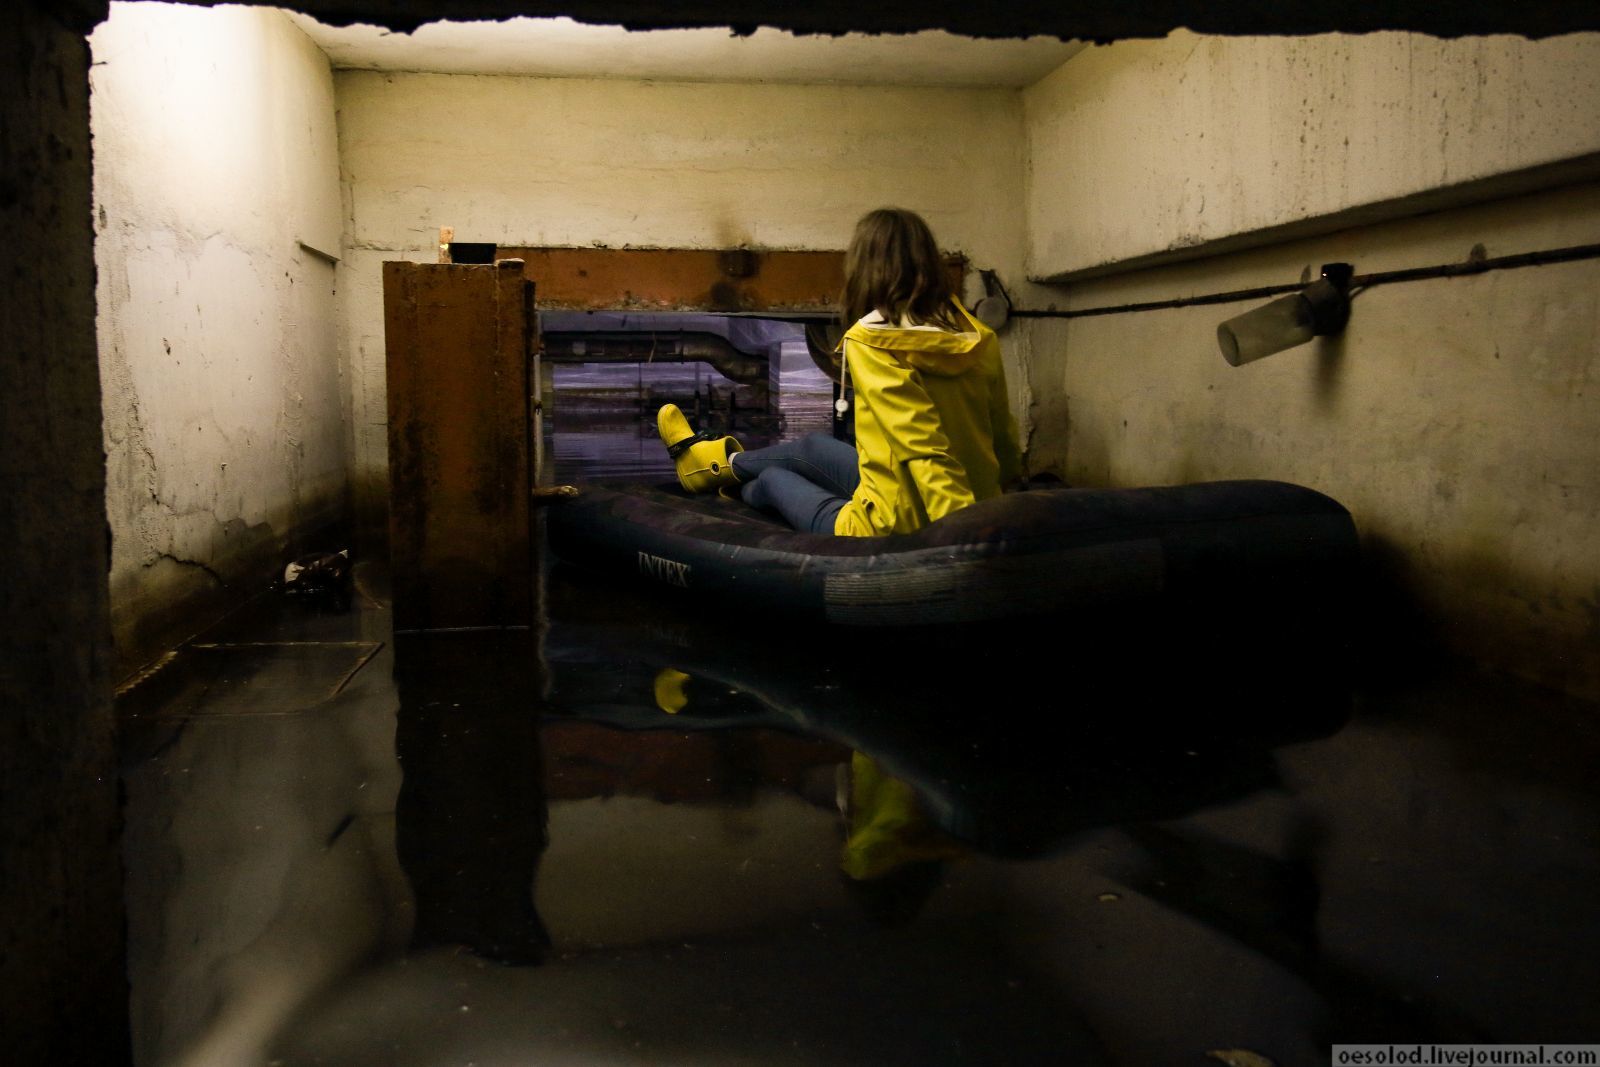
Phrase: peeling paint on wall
[215,167]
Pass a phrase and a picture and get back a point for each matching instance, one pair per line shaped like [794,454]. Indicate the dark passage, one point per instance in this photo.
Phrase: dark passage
[647,833]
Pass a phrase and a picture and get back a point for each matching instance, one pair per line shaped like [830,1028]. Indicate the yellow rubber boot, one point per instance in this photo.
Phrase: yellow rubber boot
[704,463]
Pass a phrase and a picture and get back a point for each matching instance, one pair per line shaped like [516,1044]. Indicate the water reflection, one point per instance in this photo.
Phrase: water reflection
[470,820]
[765,837]
[919,749]
[1009,742]
[647,799]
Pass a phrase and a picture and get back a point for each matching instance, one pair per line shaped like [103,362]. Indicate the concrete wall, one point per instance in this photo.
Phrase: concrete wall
[216,178]
[62,981]
[575,162]
[1455,418]
[1148,151]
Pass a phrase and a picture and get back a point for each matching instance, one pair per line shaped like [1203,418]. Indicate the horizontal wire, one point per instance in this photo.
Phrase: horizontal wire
[1360,281]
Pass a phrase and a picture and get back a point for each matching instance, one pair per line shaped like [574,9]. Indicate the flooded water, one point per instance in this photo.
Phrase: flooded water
[648,832]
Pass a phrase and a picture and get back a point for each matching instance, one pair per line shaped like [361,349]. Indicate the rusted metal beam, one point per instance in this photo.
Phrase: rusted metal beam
[692,279]
[676,279]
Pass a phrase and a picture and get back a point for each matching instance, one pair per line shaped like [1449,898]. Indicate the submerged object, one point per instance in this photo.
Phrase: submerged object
[1025,554]
[321,576]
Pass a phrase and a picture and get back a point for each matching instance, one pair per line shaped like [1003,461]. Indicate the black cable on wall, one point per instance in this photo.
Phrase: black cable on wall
[1474,265]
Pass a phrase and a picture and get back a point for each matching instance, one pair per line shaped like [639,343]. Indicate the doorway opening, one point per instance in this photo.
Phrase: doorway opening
[607,373]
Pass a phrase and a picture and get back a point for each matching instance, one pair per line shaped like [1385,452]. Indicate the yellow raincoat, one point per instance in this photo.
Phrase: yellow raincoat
[933,429]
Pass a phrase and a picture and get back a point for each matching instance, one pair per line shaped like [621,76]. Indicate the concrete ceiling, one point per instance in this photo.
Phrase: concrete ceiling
[1088,20]
[560,47]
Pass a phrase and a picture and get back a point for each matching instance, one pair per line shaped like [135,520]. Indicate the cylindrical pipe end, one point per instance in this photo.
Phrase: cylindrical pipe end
[1260,332]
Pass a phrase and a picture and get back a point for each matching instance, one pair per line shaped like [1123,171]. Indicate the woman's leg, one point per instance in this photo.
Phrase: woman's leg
[804,504]
[818,458]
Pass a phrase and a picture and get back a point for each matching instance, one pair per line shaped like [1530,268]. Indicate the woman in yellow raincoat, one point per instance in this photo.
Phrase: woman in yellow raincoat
[933,428]
[933,434]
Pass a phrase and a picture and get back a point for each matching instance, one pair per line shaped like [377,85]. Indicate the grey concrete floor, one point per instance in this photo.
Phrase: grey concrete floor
[347,848]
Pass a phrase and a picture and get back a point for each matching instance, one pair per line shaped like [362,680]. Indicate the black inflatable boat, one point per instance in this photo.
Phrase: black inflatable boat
[1023,554]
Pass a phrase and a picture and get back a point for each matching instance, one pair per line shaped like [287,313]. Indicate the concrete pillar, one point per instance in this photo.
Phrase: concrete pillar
[62,979]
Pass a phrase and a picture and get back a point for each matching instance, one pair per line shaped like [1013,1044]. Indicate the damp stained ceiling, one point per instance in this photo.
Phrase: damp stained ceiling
[563,48]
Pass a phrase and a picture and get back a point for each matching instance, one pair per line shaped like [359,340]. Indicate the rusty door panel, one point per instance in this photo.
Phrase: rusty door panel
[460,474]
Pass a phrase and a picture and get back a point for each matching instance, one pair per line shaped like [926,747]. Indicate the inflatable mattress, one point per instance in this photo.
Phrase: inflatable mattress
[1030,553]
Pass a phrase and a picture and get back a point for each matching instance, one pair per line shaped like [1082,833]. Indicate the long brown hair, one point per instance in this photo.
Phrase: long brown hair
[893,267]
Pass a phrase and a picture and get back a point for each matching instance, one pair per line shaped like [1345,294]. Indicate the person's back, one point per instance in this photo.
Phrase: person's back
[933,427]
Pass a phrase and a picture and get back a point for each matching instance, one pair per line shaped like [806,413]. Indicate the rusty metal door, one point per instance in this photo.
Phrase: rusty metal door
[461,343]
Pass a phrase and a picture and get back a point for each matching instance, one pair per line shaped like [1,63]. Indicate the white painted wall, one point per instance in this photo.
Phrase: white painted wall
[534,161]
[215,166]
[1456,419]
[1147,151]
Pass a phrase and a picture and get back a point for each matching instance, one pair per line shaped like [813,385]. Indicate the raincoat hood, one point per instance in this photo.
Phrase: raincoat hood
[929,348]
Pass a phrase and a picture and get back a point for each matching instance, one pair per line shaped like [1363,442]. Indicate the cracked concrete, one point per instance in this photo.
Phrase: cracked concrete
[204,568]
[223,393]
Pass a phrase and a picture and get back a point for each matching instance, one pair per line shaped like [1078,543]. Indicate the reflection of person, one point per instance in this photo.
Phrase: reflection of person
[887,826]
[889,839]
[933,427]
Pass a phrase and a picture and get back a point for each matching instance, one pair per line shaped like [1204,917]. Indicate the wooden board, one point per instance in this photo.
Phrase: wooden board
[459,343]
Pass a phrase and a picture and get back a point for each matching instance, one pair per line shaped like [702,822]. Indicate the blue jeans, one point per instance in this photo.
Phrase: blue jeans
[806,481]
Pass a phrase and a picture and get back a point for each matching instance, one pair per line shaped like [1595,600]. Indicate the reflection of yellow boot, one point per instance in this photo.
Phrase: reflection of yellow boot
[704,463]
[887,826]
[671,690]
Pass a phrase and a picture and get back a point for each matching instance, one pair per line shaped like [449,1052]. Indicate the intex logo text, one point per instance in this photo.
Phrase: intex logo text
[666,570]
